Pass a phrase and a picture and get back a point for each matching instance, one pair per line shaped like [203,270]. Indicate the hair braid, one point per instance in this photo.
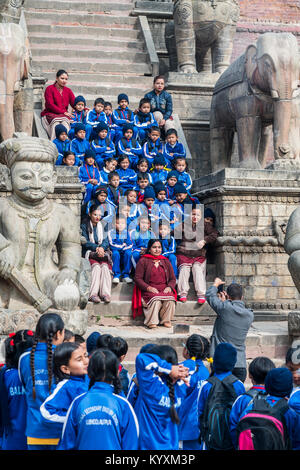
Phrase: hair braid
[32,353]
[117,385]
[173,412]
[50,359]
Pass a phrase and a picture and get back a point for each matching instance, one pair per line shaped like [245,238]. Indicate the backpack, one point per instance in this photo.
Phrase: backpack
[215,419]
[264,427]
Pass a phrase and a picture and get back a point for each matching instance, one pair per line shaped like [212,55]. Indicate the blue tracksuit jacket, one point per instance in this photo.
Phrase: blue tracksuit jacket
[100,420]
[294,400]
[36,426]
[86,172]
[78,117]
[292,420]
[157,431]
[92,118]
[143,124]
[159,175]
[55,407]
[161,102]
[107,210]
[185,179]
[103,148]
[114,194]
[135,150]
[13,418]
[150,150]
[188,413]
[121,117]
[62,146]
[79,147]
[133,391]
[177,150]
[127,178]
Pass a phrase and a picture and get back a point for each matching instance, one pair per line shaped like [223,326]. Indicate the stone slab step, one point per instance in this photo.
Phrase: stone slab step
[95,65]
[92,55]
[79,18]
[100,88]
[87,6]
[87,42]
[104,31]
[124,79]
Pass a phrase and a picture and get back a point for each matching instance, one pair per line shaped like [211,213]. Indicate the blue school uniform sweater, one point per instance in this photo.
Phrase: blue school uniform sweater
[294,400]
[168,247]
[103,148]
[113,195]
[78,117]
[104,177]
[150,150]
[188,413]
[144,121]
[185,179]
[152,407]
[121,117]
[159,175]
[79,147]
[140,239]
[86,172]
[93,118]
[133,391]
[55,407]
[292,420]
[134,152]
[100,420]
[13,417]
[127,178]
[177,150]
[62,146]
[36,426]
[119,241]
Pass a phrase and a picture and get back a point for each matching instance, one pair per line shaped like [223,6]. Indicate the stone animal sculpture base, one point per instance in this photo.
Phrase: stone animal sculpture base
[252,209]
[14,320]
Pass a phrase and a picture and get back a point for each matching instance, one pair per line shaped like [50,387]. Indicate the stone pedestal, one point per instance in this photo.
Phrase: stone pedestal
[252,209]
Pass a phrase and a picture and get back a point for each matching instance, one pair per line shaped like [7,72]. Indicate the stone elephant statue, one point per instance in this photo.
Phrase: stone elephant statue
[16,90]
[257,90]
[200,38]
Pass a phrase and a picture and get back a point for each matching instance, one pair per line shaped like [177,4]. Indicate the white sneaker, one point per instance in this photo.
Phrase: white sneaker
[116,280]
[128,280]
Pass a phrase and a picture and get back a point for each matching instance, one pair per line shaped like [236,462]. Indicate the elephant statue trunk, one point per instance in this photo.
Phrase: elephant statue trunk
[281,126]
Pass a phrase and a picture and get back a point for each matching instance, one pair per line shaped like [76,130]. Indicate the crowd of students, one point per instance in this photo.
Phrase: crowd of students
[61,391]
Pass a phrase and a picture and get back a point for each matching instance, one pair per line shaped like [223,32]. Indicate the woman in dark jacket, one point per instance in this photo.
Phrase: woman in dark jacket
[154,292]
[96,249]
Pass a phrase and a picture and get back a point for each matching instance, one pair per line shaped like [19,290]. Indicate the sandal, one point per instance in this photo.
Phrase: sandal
[152,326]
[167,325]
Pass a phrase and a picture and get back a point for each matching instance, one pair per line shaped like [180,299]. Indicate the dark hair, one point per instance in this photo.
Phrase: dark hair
[68,335]
[47,327]
[15,345]
[93,208]
[109,159]
[112,174]
[104,341]
[144,217]
[61,357]
[143,160]
[79,339]
[67,153]
[118,346]
[259,368]
[144,101]
[169,354]
[198,346]
[159,77]
[177,159]
[104,367]
[171,132]
[61,72]
[107,103]
[129,190]
[99,100]
[122,158]
[142,176]
[151,242]
[154,128]
[235,291]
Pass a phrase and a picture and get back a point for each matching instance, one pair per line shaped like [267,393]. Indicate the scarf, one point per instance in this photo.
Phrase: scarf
[143,117]
[99,230]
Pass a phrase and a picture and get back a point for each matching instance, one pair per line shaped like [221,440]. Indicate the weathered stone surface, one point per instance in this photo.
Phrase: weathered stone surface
[294,324]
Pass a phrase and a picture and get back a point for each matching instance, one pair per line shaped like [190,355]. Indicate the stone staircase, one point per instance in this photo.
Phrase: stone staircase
[98,43]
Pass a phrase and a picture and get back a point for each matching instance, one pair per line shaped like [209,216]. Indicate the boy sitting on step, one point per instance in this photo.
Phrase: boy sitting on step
[123,116]
[94,116]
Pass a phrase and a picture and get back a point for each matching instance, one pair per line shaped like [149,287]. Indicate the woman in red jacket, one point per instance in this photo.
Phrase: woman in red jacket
[154,292]
[58,97]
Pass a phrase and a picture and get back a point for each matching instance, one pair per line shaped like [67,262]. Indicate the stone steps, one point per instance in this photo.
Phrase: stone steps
[42,40]
[87,5]
[79,18]
[107,32]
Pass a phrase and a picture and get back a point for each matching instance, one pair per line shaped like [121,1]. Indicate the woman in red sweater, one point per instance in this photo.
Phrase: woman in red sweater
[58,97]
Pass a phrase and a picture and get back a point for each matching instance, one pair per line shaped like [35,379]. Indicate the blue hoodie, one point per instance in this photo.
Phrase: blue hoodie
[92,118]
[79,147]
[100,420]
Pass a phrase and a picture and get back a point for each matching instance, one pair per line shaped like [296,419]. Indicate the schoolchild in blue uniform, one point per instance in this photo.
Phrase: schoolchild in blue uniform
[127,175]
[111,125]
[79,116]
[196,350]
[142,166]
[68,159]
[123,116]
[119,347]
[158,173]
[172,148]
[94,116]
[79,145]
[62,141]
[102,145]
[153,147]
[180,165]
[168,244]
[161,391]
[140,238]
[182,208]
[142,182]
[36,375]
[144,119]
[223,363]
[107,209]
[133,388]
[294,400]
[258,370]
[109,166]
[278,384]
[89,174]
[161,200]
[13,406]
[129,146]
[130,200]
[147,207]
[172,180]
[70,363]
[114,190]
[121,246]
[101,419]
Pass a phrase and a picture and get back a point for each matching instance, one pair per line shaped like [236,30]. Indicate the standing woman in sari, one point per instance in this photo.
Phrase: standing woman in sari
[154,292]
[58,97]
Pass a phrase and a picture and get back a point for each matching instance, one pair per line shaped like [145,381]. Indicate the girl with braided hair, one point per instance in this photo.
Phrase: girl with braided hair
[161,391]
[36,375]
[13,406]
[195,351]
[101,419]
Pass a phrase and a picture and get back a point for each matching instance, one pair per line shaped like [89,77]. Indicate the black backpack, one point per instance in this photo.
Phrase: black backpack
[215,419]
[264,427]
